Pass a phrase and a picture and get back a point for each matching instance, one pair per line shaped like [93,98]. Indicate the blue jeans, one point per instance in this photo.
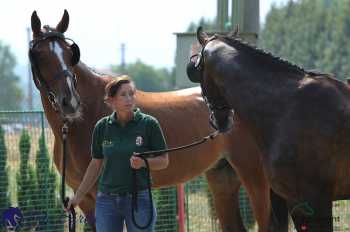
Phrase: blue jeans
[112,211]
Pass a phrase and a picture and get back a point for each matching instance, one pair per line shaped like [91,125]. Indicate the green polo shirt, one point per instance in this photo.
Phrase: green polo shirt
[115,144]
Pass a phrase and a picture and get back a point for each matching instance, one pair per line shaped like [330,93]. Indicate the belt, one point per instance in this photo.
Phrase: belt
[118,194]
[114,194]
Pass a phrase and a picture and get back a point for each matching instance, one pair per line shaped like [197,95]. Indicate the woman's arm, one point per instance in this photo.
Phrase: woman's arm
[155,163]
[159,162]
[91,175]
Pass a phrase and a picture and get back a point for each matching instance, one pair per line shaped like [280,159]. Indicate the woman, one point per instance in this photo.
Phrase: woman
[115,139]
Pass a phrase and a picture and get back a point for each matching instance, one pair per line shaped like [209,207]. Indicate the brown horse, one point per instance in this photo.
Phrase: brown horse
[299,118]
[71,91]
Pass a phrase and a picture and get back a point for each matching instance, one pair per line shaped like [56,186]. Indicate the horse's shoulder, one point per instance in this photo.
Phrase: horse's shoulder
[319,81]
[321,95]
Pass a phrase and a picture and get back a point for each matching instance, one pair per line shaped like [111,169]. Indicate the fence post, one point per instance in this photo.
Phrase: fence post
[181,207]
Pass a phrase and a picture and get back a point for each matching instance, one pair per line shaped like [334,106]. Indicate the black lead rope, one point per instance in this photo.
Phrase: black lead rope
[160,152]
[134,206]
[144,155]
[65,200]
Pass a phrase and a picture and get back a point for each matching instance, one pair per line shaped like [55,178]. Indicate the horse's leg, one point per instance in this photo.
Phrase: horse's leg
[246,158]
[255,182]
[312,215]
[224,185]
[279,213]
[258,192]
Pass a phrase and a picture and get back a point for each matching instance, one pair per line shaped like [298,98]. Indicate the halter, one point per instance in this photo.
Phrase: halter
[198,67]
[38,79]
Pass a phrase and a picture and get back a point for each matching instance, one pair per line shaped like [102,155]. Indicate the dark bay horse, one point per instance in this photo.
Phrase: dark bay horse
[71,91]
[300,120]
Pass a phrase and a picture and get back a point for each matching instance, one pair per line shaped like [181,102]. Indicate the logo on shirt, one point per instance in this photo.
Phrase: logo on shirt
[107,143]
[139,140]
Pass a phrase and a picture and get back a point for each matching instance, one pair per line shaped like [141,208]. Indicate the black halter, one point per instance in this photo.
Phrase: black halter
[195,70]
[195,73]
[38,79]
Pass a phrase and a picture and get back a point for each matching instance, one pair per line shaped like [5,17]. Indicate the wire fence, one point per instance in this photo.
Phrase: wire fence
[30,183]
[29,187]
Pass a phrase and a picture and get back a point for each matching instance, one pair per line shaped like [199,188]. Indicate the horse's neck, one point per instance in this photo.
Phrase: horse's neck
[91,89]
[260,99]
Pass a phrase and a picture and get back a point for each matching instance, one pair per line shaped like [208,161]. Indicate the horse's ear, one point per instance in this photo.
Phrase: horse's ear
[202,36]
[36,24]
[235,32]
[63,24]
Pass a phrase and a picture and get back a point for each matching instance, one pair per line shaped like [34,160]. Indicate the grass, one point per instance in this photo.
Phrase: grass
[199,213]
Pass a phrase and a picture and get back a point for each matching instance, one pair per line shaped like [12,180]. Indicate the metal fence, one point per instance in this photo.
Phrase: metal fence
[31,178]
[38,203]
[36,192]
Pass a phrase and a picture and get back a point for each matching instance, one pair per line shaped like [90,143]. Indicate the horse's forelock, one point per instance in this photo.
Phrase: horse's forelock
[48,28]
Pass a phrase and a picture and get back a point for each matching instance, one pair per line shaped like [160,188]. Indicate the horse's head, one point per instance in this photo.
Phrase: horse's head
[202,69]
[52,57]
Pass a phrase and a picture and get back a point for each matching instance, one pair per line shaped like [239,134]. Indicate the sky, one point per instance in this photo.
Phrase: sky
[100,27]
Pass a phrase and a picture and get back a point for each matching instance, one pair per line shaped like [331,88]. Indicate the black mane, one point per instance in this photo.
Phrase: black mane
[275,61]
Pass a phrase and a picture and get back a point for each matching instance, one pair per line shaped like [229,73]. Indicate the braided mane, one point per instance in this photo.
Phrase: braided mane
[275,61]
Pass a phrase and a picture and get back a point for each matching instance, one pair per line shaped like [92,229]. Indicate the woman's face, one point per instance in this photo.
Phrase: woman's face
[124,99]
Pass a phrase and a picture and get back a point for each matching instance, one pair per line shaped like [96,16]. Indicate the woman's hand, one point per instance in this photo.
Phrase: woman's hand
[136,162]
[73,202]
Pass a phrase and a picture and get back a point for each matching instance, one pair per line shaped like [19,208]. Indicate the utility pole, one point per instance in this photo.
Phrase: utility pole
[30,79]
[222,15]
[122,63]
[245,13]
[251,16]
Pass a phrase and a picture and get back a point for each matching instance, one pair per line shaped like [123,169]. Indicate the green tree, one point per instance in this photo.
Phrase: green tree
[10,93]
[26,183]
[51,212]
[4,191]
[146,77]
[313,34]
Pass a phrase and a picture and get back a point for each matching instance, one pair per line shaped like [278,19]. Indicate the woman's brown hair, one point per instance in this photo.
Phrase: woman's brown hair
[113,86]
